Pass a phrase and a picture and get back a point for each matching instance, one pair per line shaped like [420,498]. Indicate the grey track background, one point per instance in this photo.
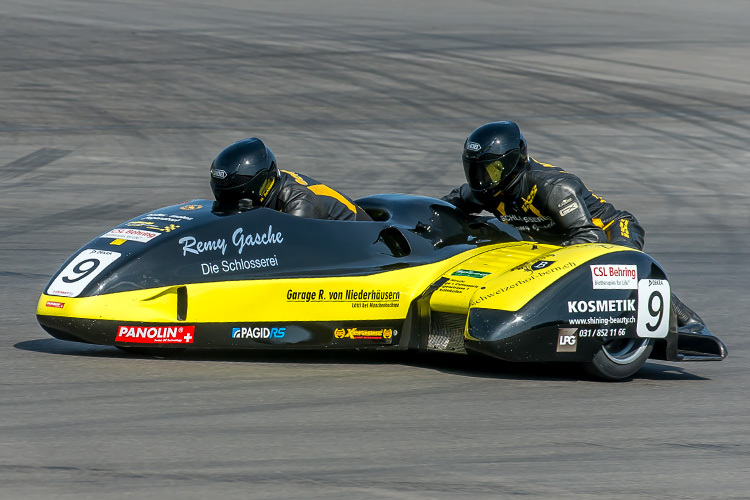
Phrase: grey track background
[109,109]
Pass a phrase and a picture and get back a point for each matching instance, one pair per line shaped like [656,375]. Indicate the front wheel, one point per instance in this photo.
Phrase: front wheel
[620,358]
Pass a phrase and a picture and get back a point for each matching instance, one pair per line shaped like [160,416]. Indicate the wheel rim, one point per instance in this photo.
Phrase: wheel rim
[624,351]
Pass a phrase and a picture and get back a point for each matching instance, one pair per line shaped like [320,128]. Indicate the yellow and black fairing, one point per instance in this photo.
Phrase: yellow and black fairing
[561,305]
[185,275]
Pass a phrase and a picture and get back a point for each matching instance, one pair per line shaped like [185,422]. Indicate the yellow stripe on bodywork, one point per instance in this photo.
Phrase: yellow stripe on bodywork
[324,190]
[264,299]
[455,294]
[509,284]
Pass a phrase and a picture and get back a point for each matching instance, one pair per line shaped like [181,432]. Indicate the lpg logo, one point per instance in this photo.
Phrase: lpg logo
[219,174]
[567,340]
[258,333]
[473,146]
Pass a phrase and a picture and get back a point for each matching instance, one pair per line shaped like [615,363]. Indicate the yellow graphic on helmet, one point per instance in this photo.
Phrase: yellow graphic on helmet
[495,171]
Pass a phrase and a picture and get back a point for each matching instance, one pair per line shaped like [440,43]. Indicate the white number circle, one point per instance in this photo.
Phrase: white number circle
[80,272]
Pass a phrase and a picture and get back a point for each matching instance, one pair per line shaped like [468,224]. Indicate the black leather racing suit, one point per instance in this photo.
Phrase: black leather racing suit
[303,196]
[554,206]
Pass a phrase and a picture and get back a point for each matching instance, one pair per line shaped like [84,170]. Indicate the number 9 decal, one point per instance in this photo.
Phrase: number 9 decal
[654,305]
[81,271]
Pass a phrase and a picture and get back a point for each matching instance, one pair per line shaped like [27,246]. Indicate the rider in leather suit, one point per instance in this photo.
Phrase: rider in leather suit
[543,201]
[246,175]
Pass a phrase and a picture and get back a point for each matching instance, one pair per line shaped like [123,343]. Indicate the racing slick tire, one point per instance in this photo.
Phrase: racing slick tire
[620,358]
[151,351]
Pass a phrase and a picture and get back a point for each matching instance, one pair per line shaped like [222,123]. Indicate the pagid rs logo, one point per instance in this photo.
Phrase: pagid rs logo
[248,332]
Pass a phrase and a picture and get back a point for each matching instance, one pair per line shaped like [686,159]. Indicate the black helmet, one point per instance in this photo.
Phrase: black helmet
[246,169]
[494,157]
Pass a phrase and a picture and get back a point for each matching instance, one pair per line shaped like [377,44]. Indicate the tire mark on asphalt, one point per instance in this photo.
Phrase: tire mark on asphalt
[18,169]
[94,211]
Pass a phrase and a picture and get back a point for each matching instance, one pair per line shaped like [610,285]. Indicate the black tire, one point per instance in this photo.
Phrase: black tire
[151,351]
[619,359]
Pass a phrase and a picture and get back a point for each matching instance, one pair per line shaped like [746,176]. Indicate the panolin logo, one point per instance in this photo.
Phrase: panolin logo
[156,334]
[52,303]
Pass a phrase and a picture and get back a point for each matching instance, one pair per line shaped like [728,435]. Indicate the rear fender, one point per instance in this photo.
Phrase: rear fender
[567,314]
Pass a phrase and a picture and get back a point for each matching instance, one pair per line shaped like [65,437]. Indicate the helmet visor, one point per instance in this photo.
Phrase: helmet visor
[256,188]
[488,173]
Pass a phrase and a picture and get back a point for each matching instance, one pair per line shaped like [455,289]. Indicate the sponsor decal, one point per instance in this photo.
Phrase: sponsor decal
[614,276]
[372,295]
[470,274]
[567,340]
[123,233]
[624,320]
[567,209]
[164,228]
[611,305]
[52,303]
[191,207]
[454,286]
[247,332]
[358,298]
[654,305]
[473,146]
[233,266]
[364,334]
[525,281]
[166,217]
[81,271]
[541,264]
[240,240]
[601,332]
[528,223]
[565,201]
[156,334]
[218,173]
[117,242]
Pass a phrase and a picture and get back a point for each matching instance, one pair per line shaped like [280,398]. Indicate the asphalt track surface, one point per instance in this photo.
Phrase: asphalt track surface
[110,109]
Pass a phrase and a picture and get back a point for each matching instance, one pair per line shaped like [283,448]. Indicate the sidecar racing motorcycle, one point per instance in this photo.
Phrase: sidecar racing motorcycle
[420,276]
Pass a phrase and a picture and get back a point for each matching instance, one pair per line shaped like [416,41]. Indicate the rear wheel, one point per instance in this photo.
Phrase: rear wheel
[620,358]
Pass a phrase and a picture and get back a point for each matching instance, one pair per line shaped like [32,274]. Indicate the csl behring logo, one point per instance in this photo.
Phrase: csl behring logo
[614,276]
[258,333]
